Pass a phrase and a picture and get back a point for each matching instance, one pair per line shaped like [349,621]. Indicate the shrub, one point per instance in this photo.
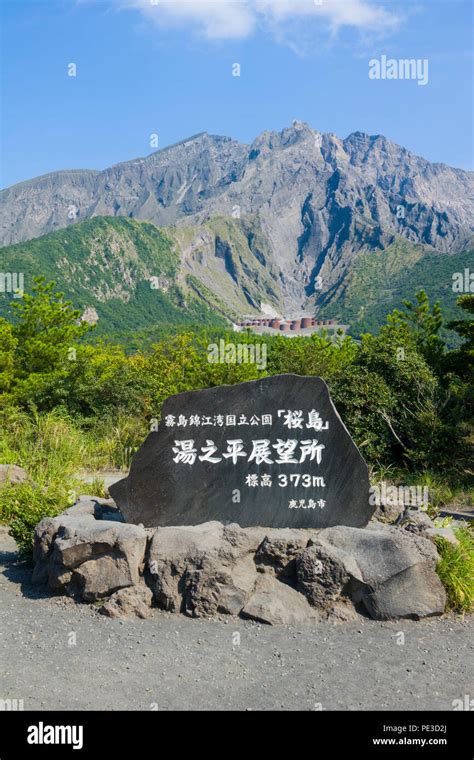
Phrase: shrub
[23,505]
[412,420]
[363,401]
[456,570]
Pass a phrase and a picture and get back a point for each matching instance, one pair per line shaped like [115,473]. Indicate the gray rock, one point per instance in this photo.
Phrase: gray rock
[203,569]
[397,576]
[342,610]
[133,601]
[446,533]
[416,592]
[276,576]
[379,553]
[45,533]
[277,552]
[415,521]
[96,506]
[90,556]
[211,590]
[322,573]
[101,576]
[11,473]
[276,603]
[417,540]
[388,513]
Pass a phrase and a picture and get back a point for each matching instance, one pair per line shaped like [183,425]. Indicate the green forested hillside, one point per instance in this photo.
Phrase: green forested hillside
[379,281]
[128,271]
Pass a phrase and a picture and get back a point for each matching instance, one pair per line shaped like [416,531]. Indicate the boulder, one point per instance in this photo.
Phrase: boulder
[340,611]
[128,602]
[11,473]
[272,575]
[388,512]
[279,549]
[277,442]
[95,506]
[91,557]
[415,521]
[446,533]
[415,593]
[379,551]
[396,571]
[323,573]
[276,603]
[102,575]
[204,569]
[45,534]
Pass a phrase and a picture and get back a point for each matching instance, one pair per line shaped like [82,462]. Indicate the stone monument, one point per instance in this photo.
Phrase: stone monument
[272,452]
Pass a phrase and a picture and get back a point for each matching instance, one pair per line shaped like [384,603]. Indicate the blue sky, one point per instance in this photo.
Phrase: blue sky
[167,69]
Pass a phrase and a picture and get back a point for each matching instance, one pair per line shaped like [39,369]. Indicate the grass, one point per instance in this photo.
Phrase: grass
[456,569]
[50,445]
[53,448]
[97,488]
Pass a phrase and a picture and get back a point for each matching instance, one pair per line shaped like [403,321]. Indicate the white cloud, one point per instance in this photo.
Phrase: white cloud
[234,19]
[216,19]
[356,13]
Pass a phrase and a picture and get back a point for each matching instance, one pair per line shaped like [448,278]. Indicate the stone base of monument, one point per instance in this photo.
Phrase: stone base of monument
[271,575]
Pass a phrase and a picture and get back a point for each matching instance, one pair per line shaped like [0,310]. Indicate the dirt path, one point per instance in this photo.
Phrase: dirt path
[58,655]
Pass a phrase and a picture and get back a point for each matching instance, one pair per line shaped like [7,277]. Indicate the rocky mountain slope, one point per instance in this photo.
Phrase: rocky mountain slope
[299,205]
[129,275]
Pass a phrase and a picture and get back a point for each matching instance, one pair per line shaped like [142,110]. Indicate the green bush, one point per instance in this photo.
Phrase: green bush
[456,569]
[23,505]
[362,398]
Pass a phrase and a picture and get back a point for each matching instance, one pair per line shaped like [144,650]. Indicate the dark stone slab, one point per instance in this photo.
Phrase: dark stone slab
[317,480]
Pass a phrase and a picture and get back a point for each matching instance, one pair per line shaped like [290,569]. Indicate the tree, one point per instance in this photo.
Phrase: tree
[46,329]
[47,332]
[425,324]
[458,367]
[464,356]
[396,357]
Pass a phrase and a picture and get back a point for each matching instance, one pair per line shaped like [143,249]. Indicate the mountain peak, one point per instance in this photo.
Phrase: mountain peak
[311,190]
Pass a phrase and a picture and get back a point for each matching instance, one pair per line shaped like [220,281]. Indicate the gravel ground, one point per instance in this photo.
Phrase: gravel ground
[55,654]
